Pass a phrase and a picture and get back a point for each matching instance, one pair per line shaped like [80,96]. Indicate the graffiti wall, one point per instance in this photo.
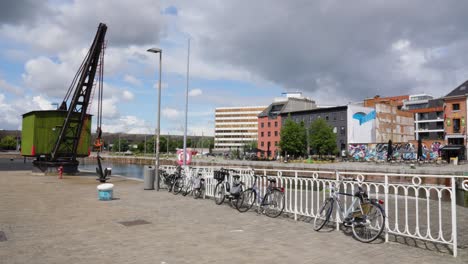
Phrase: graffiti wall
[401,151]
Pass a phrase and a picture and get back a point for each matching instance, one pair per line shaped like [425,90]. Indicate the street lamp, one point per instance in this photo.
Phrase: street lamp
[158,121]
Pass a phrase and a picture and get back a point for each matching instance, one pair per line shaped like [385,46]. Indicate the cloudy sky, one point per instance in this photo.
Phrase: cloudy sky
[242,53]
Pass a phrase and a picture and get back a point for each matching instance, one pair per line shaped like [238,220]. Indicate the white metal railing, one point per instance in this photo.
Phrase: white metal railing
[418,206]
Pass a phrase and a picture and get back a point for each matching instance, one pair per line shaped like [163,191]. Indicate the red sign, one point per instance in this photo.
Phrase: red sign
[180,157]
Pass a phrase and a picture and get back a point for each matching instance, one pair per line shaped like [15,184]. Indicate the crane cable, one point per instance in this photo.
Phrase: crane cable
[98,143]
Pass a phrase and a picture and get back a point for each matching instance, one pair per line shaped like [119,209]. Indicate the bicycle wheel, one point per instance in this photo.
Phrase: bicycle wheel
[220,193]
[187,188]
[169,182]
[178,185]
[370,225]
[273,203]
[197,193]
[246,200]
[323,215]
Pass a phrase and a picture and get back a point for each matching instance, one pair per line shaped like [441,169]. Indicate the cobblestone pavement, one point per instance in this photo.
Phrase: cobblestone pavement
[47,220]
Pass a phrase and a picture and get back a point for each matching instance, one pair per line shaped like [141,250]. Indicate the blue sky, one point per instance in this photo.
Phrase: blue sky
[243,53]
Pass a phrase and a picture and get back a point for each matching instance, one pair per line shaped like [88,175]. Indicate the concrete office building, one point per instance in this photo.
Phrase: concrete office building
[235,127]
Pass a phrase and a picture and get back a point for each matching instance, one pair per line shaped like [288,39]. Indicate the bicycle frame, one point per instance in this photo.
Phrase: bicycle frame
[342,211]
[260,198]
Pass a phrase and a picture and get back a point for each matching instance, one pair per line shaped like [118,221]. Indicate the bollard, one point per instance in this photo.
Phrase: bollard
[60,172]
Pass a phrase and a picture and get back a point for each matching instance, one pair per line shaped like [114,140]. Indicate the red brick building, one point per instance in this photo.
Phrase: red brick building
[269,123]
[455,115]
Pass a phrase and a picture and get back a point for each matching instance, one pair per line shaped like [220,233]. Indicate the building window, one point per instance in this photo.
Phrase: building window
[342,130]
[456,107]
[276,133]
[261,134]
[269,133]
[456,125]
[276,143]
[342,115]
[276,123]
[262,125]
[269,124]
[334,116]
[262,144]
[326,117]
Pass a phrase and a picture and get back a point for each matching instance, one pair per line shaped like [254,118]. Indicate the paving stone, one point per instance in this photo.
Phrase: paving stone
[64,222]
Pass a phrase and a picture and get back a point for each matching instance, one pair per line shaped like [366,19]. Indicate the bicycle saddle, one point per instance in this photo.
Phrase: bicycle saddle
[272,180]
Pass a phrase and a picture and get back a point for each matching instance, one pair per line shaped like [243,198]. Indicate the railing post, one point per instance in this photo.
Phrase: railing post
[386,188]
[337,215]
[454,216]
[295,196]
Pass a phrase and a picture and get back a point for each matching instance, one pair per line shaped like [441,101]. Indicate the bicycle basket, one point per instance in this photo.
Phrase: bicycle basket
[219,175]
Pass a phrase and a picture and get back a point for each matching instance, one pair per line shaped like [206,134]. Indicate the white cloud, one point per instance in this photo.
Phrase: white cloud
[127,124]
[127,95]
[43,75]
[42,103]
[11,110]
[132,80]
[109,108]
[195,92]
[73,23]
[171,113]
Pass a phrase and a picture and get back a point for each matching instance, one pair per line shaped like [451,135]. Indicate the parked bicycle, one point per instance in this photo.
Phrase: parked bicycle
[179,180]
[194,185]
[166,180]
[365,216]
[271,204]
[224,190]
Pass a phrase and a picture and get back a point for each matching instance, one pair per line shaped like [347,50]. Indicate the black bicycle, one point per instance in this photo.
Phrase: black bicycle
[271,204]
[166,180]
[179,180]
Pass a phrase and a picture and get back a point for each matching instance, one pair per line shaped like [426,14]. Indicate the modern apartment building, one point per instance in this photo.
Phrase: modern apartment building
[235,127]
[428,116]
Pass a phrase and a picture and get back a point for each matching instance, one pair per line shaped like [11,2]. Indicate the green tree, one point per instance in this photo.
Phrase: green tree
[8,142]
[123,145]
[293,138]
[321,137]
[252,145]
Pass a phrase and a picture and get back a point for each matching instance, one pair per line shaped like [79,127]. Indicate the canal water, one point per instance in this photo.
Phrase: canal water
[126,170]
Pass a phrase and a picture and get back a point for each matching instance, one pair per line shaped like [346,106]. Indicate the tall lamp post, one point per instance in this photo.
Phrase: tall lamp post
[186,104]
[158,121]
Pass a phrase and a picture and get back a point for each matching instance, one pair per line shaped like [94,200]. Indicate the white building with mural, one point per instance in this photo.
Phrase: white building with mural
[361,124]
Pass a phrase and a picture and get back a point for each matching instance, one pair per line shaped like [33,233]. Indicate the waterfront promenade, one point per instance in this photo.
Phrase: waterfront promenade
[47,220]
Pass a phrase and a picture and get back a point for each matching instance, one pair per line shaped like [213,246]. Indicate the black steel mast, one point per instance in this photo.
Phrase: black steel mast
[65,148]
